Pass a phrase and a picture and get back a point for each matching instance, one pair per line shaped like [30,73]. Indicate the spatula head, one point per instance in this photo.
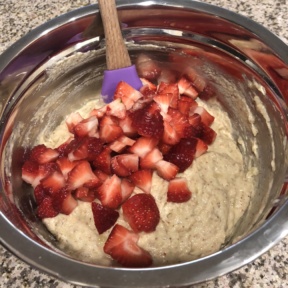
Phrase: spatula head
[113,77]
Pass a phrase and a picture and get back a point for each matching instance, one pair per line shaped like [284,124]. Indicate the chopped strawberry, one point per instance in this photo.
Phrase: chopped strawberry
[194,119]
[122,142]
[182,154]
[170,135]
[166,170]
[185,104]
[206,117]
[99,113]
[143,145]
[80,175]
[171,90]
[163,100]
[148,84]
[148,93]
[178,191]
[109,192]
[125,164]
[72,120]
[109,129]
[39,194]
[104,217]
[65,147]
[103,161]
[150,159]
[126,189]
[164,148]
[87,127]
[178,121]
[148,121]
[142,179]
[85,194]
[116,108]
[186,88]
[65,165]
[201,148]
[147,68]
[205,133]
[127,94]
[141,212]
[41,154]
[46,209]
[126,125]
[78,149]
[53,182]
[30,170]
[101,175]
[64,202]
[122,246]
[207,93]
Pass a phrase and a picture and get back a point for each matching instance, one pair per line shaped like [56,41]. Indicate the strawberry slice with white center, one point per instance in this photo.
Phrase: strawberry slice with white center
[87,127]
[185,87]
[178,121]
[104,217]
[141,212]
[72,120]
[185,104]
[64,202]
[148,84]
[127,94]
[178,191]
[103,161]
[121,143]
[170,135]
[171,90]
[143,145]
[99,113]
[109,129]
[109,192]
[166,170]
[85,194]
[125,164]
[206,117]
[80,175]
[122,246]
[101,175]
[46,209]
[53,182]
[127,127]
[163,100]
[116,108]
[150,159]
[41,154]
[126,189]
[65,165]
[201,148]
[142,179]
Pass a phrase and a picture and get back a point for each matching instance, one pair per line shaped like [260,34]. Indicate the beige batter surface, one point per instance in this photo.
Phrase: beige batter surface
[221,191]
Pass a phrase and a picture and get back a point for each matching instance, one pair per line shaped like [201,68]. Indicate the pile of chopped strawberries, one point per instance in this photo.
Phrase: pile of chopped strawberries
[159,129]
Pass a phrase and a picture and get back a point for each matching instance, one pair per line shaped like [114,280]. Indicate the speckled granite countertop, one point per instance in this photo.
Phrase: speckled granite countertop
[19,17]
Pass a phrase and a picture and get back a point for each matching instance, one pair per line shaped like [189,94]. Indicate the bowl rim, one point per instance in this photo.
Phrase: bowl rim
[217,264]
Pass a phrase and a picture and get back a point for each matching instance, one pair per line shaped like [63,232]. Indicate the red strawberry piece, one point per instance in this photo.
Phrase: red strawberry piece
[39,194]
[116,108]
[30,171]
[170,135]
[53,182]
[99,113]
[206,117]
[186,88]
[46,209]
[147,68]
[103,161]
[72,120]
[178,121]
[122,142]
[41,154]
[166,170]
[163,100]
[148,93]
[185,104]
[207,93]
[171,90]
[148,121]
[205,133]
[127,94]
[193,129]
[104,217]
[148,84]
[123,165]
[109,129]
[142,179]
[127,127]
[143,145]
[126,189]
[164,148]
[101,175]
[80,175]
[109,192]
[65,165]
[182,154]
[178,191]
[198,81]
[150,159]
[141,212]
[94,147]
[85,194]
[87,127]
[122,246]
[194,119]
[65,147]
[64,202]
[201,148]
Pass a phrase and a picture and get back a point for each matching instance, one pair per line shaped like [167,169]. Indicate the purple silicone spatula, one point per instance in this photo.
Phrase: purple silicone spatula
[119,66]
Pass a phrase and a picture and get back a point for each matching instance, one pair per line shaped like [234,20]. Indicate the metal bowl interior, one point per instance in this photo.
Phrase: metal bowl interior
[231,51]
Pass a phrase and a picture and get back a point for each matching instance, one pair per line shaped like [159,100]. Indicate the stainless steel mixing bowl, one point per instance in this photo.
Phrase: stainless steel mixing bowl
[237,49]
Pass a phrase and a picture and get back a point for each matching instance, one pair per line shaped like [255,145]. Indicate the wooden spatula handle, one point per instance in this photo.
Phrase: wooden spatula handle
[116,51]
